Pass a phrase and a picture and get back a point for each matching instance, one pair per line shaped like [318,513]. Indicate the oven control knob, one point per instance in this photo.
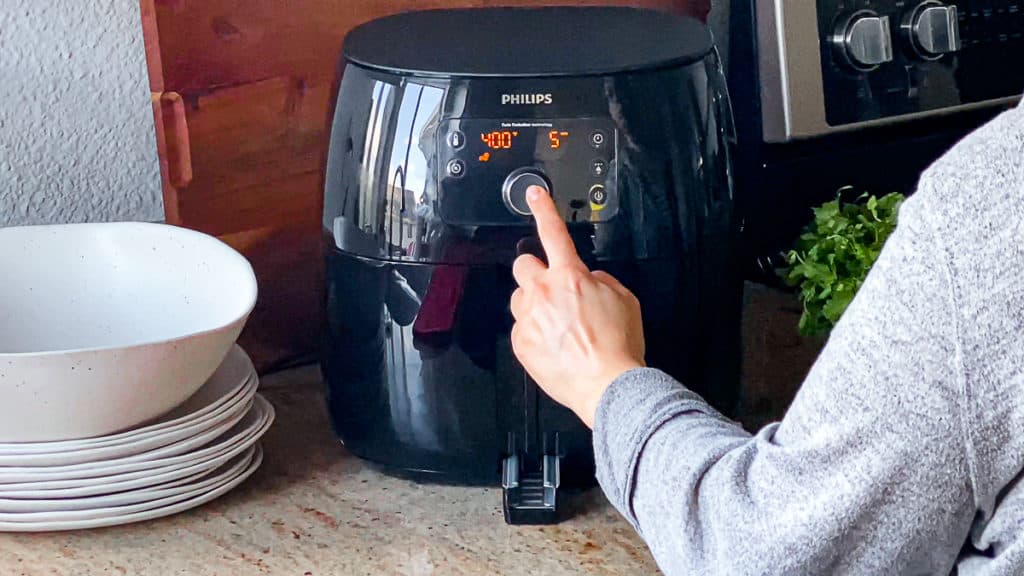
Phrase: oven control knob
[933,30]
[513,192]
[863,40]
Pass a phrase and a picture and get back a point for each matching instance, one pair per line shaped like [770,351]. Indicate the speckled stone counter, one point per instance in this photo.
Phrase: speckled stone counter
[313,509]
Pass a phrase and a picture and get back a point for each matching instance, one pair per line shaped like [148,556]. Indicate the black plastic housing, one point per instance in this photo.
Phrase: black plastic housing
[420,373]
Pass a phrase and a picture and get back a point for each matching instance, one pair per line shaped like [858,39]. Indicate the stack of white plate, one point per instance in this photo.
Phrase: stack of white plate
[191,455]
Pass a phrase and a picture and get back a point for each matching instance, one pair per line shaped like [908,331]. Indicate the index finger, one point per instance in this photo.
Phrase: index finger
[554,236]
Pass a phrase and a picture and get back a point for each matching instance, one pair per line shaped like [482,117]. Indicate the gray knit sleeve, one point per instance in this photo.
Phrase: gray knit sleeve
[865,475]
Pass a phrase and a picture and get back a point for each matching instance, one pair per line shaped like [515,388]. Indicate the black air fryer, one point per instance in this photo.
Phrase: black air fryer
[444,118]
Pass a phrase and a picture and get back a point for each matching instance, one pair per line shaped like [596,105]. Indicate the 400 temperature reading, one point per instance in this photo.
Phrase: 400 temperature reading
[499,139]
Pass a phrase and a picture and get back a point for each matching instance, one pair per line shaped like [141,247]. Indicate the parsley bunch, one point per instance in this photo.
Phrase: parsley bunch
[835,253]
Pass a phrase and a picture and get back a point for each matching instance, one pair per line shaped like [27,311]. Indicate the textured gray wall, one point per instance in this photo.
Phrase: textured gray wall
[76,125]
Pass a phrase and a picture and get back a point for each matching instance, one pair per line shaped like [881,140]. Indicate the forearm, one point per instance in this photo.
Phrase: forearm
[636,406]
[656,444]
[709,498]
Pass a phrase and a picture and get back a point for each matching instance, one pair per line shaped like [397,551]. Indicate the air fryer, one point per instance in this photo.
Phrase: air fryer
[444,118]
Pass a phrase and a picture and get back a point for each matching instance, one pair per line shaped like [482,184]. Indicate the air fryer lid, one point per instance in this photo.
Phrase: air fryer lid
[534,42]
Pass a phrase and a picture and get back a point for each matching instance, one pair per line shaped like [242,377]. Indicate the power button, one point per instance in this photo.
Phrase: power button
[598,197]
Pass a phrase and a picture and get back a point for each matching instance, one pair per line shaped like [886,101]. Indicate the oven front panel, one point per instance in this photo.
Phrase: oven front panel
[877,62]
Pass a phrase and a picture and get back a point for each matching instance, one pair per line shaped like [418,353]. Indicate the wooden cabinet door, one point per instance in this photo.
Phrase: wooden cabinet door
[243,95]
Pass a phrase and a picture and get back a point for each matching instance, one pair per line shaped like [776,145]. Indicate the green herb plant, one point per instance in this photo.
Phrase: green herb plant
[835,253]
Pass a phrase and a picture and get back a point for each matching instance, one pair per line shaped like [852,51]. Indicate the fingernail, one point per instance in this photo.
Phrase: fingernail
[533,193]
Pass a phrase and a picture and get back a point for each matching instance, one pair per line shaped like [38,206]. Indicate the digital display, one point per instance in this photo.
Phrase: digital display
[499,139]
[504,139]
[555,138]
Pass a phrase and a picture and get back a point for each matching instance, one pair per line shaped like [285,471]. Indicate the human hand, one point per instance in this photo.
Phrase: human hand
[576,331]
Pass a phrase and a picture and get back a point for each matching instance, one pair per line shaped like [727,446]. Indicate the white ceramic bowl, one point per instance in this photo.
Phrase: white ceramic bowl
[233,383]
[106,326]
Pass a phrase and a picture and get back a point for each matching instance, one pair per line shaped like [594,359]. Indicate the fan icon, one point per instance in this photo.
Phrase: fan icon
[485,156]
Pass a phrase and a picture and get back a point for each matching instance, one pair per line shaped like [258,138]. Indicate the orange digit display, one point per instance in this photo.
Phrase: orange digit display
[499,139]
[503,139]
[555,138]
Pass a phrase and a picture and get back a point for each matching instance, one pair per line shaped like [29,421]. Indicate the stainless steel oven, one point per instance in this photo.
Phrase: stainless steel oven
[859,94]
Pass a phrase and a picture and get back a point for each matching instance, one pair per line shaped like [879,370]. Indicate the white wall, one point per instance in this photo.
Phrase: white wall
[76,124]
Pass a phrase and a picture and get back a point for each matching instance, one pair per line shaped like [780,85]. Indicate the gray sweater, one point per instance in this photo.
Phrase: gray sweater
[903,451]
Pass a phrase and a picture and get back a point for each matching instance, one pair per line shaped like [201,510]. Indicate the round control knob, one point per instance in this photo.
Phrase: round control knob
[933,30]
[513,192]
[863,40]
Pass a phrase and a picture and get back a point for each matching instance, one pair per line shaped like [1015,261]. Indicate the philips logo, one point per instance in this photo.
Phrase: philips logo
[520,99]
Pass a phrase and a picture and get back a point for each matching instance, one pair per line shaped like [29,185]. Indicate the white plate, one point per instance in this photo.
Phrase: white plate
[176,442]
[69,494]
[235,376]
[169,475]
[106,326]
[56,509]
[125,469]
[118,516]
[143,444]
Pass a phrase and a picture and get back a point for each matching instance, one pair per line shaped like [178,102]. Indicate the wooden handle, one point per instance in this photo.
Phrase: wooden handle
[173,140]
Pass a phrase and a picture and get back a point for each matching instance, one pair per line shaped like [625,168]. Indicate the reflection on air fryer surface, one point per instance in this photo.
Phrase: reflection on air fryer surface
[315,509]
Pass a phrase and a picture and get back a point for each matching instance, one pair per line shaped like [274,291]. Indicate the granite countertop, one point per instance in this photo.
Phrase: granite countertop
[314,509]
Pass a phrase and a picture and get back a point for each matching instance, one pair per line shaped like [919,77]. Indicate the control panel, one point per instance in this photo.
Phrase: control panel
[878,62]
[883,59]
[486,167]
